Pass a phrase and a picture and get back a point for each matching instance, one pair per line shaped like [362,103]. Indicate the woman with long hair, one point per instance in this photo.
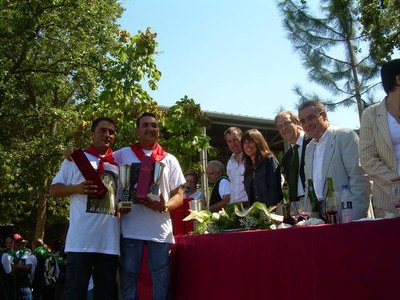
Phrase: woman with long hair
[262,176]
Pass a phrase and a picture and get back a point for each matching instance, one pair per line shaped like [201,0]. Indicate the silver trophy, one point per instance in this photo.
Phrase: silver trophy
[124,183]
[155,186]
[195,205]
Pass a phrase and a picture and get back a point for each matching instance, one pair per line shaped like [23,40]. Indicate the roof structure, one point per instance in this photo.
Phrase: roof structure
[222,121]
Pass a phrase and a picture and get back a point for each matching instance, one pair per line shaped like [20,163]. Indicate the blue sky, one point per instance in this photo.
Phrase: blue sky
[230,56]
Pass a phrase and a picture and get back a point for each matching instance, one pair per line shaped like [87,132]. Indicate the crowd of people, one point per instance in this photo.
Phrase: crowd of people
[31,272]
[105,242]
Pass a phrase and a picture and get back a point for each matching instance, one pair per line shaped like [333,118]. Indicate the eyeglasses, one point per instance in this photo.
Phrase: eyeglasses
[310,118]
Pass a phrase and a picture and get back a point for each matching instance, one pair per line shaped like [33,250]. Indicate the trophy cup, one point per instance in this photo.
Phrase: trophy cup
[124,179]
[155,186]
[195,205]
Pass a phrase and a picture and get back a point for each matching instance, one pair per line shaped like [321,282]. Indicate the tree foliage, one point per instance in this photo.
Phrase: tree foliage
[121,94]
[55,58]
[318,37]
[381,24]
[185,136]
[51,56]
[62,64]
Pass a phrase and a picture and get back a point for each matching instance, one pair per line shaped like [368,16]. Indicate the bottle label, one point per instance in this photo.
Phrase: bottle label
[347,216]
[347,212]
[347,205]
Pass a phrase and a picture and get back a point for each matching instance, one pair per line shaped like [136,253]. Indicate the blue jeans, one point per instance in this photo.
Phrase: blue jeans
[24,293]
[80,266]
[130,264]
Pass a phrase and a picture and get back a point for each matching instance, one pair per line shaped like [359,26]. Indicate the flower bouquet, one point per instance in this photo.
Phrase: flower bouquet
[258,216]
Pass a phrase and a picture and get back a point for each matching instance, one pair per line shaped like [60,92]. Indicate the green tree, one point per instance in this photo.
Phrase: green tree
[381,24]
[122,96]
[185,135]
[318,37]
[61,62]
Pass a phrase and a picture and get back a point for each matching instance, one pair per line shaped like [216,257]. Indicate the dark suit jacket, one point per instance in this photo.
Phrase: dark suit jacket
[288,157]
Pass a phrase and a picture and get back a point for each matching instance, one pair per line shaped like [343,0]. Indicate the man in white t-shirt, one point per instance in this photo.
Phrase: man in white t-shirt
[149,221]
[92,243]
[235,166]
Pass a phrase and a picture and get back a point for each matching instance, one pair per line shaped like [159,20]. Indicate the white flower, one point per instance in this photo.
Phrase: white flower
[215,216]
[248,222]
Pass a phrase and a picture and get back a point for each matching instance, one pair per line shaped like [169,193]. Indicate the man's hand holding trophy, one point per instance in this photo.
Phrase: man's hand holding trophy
[147,191]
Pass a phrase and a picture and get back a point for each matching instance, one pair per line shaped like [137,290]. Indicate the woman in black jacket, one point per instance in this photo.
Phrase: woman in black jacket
[262,176]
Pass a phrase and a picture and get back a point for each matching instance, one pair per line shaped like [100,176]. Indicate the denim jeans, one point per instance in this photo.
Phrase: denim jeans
[80,266]
[24,293]
[130,264]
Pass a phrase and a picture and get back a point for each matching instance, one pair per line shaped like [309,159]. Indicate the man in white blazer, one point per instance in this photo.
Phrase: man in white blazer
[333,152]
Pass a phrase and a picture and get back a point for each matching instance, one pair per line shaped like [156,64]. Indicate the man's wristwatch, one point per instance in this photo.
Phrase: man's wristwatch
[165,210]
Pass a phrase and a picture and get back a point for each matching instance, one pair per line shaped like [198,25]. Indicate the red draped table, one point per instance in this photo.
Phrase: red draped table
[359,260]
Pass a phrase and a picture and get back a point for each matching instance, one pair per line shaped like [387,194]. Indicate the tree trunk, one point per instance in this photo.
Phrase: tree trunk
[41,215]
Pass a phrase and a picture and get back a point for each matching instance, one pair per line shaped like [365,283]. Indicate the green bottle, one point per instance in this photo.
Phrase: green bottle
[331,204]
[313,199]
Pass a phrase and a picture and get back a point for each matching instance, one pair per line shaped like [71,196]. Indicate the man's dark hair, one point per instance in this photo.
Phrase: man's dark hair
[320,107]
[145,114]
[232,130]
[389,72]
[96,122]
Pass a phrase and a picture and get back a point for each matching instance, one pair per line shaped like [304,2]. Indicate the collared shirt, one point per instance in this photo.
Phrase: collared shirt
[300,189]
[235,172]
[394,137]
[318,161]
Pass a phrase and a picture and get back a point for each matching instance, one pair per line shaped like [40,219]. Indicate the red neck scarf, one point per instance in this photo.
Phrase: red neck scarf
[158,152]
[106,158]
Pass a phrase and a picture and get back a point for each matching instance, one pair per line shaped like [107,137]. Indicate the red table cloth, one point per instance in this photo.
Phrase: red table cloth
[358,260]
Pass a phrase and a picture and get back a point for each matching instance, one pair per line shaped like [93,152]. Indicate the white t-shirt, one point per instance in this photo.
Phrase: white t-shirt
[224,187]
[93,224]
[6,261]
[141,222]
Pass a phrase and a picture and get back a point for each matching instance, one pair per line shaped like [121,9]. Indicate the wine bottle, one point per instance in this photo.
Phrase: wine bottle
[331,204]
[313,199]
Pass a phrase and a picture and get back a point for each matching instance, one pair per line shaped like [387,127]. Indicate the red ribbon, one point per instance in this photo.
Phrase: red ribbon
[107,157]
[158,152]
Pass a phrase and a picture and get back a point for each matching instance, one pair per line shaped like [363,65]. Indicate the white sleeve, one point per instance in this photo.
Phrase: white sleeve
[224,188]
[6,261]
[68,174]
